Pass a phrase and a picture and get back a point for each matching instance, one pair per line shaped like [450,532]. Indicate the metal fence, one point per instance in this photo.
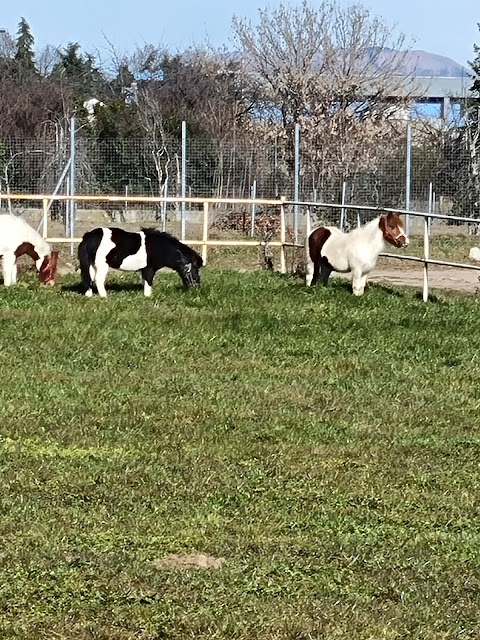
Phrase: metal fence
[404,174]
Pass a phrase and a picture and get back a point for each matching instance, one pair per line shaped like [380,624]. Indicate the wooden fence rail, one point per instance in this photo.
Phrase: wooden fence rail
[282,205]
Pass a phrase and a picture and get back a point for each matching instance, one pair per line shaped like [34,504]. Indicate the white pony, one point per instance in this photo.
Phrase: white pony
[17,238]
[329,249]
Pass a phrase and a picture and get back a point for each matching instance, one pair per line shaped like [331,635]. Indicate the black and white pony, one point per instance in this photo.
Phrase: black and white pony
[18,238]
[146,251]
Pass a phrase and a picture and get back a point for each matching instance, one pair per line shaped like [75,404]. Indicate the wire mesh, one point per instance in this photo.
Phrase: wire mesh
[362,174]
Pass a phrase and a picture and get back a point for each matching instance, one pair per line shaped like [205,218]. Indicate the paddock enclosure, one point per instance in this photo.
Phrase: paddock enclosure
[276,225]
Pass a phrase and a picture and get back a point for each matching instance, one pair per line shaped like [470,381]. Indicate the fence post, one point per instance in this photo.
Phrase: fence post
[343,212]
[431,206]
[426,255]
[434,208]
[296,196]
[67,209]
[426,242]
[283,264]
[408,177]
[45,217]
[254,208]
[205,233]
[73,204]
[184,178]
[164,206]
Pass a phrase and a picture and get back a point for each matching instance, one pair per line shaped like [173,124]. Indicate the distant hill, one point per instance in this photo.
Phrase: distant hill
[413,63]
[422,63]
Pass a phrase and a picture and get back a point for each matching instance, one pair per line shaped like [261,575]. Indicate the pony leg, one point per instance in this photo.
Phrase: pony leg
[9,266]
[316,274]
[313,270]
[100,277]
[325,274]
[147,279]
[310,270]
[88,280]
[359,281]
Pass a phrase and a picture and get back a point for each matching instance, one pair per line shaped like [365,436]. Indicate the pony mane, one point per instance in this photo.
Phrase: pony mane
[181,246]
[163,234]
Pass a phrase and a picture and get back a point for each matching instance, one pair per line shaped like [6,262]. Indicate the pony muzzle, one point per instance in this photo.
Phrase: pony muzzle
[48,269]
[190,276]
[402,243]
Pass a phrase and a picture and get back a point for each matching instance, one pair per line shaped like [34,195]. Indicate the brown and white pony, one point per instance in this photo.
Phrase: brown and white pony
[17,238]
[329,249]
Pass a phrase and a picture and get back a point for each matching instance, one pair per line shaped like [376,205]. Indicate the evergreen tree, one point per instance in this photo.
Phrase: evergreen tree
[124,84]
[475,65]
[79,74]
[24,54]
[473,137]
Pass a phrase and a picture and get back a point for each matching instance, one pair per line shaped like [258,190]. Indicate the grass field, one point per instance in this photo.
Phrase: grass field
[321,450]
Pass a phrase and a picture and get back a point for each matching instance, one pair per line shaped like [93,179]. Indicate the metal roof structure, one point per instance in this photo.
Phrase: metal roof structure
[434,89]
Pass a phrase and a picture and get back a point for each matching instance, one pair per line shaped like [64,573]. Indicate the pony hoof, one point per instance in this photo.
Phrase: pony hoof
[89,293]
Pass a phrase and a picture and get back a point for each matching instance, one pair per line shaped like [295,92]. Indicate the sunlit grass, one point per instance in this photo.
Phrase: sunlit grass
[326,447]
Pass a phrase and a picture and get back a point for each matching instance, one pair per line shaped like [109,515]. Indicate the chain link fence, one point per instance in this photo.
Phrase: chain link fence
[234,169]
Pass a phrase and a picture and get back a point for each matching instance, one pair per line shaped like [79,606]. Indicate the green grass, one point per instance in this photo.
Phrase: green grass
[326,447]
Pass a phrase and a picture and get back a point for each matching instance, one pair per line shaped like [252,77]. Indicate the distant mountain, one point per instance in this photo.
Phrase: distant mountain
[415,63]
[423,64]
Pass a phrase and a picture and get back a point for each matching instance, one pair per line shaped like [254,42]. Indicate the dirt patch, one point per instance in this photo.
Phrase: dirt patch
[198,560]
[446,279]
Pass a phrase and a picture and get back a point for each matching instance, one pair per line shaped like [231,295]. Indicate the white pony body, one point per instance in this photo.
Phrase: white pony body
[17,237]
[329,249]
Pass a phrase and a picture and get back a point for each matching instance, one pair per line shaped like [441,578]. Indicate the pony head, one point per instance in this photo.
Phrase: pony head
[189,268]
[391,225]
[47,268]
[45,264]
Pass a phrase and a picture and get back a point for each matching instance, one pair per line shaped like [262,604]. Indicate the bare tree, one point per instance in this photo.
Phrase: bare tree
[7,45]
[332,70]
[158,148]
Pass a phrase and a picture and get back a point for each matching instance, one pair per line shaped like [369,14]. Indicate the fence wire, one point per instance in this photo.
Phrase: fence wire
[237,169]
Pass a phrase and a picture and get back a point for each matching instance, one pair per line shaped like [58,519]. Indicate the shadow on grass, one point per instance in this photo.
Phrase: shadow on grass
[387,290]
[434,298]
[77,287]
[345,285]
[119,287]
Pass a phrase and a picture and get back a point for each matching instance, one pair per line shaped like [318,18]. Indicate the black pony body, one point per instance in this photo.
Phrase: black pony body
[164,250]
[146,251]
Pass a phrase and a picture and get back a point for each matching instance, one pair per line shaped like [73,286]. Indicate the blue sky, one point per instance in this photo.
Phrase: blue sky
[448,29]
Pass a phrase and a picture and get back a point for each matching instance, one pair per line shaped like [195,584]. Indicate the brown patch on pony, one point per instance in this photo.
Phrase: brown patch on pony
[48,269]
[28,249]
[391,226]
[316,242]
